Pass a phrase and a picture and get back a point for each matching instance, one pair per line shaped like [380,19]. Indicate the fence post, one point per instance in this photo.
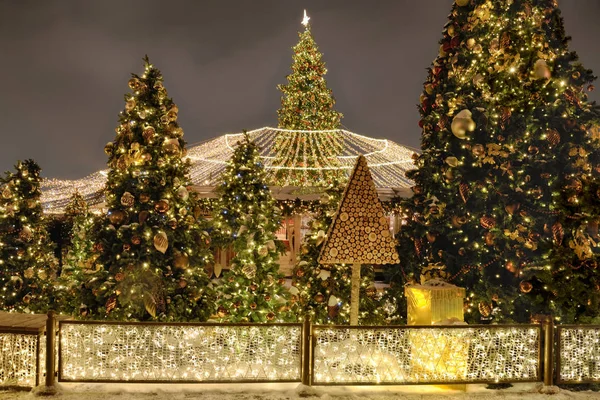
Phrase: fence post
[548,387]
[306,348]
[50,348]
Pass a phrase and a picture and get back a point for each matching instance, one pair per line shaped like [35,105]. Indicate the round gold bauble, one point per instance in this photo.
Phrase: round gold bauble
[462,3]
[181,261]
[525,286]
[144,198]
[319,298]
[162,206]
[116,217]
[127,199]
[462,123]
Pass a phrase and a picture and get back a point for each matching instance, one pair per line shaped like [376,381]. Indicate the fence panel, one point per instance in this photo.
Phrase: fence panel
[578,354]
[149,352]
[345,355]
[20,354]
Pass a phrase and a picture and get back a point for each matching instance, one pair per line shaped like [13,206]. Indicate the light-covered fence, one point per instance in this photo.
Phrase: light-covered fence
[152,352]
[21,355]
[578,350]
[344,355]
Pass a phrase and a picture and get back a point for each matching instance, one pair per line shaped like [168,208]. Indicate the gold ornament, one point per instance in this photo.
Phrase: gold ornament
[148,134]
[162,206]
[319,298]
[462,3]
[161,242]
[111,303]
[558,233]
[452,161]
[116,217]
[143,216]
[181,261]
[263,251]
[462,123]
[26,234]
[144,198]
[136,240]
[249,270]
[485,309]
[29,273]
[171,146]
[553,137]
[487,222]
[130,105]
[541,70]
[108,149]
[127,199]
[183,193]
[478,150]
[525,286]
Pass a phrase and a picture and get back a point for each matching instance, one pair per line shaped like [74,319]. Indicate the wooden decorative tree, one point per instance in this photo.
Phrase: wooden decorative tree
[360,231]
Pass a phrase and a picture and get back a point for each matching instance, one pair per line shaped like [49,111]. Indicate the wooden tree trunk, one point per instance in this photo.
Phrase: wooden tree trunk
[355,294]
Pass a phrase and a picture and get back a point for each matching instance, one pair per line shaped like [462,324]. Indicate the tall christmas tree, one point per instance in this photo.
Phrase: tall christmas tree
[151,245]
[323,291]
[506,191]
[27,264]
[307,104]
[247,214]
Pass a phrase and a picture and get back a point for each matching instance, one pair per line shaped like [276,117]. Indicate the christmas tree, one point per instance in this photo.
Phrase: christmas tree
[323,291]
[506,191]
[151,247]
[80,256]
[247,214]
[306,106]
[27,264]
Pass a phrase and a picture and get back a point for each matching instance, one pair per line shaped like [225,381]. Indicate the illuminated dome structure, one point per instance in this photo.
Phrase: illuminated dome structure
[387,160]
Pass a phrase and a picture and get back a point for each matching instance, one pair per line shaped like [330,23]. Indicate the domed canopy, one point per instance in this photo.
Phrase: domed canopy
[387,161]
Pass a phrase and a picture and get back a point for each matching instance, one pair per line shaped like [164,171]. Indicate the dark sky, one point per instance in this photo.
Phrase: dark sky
[64,66]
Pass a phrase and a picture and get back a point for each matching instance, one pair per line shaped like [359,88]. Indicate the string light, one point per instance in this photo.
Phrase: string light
[388,162]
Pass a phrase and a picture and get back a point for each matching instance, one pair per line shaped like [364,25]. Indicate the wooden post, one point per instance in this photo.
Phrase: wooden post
[548,356]
[306,351]
[355,294]
[297,235]
[50,348]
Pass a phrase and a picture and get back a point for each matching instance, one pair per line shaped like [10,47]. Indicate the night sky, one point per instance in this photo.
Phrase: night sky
[65,65]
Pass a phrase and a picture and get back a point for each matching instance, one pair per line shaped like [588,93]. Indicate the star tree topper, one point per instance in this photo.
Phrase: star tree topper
[305,19]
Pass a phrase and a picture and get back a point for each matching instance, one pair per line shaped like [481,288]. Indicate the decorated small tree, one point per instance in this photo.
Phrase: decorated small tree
[27,265]
[307,106]
[506,191]
[323,291]
[247,216]
[151,245]
[359,232]
[80,256]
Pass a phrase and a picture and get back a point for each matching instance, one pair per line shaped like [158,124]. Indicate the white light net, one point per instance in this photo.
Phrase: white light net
[18,359]
[579,354]
[436,355]
[180,353]
[388,162]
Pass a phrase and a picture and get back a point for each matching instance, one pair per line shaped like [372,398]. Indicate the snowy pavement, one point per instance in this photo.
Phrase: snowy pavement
[293,391]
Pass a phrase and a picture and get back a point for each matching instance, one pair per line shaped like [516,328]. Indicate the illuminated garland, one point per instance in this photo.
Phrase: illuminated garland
[388,162]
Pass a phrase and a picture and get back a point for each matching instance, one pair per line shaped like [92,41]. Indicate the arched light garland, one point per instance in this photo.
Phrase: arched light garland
[387,160]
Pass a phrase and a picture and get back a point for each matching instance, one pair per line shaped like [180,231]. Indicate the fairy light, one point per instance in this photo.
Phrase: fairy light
[212,353]
[388,162]
[404,355]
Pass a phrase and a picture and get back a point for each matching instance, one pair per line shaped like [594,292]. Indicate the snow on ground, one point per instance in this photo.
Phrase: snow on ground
[292,391]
